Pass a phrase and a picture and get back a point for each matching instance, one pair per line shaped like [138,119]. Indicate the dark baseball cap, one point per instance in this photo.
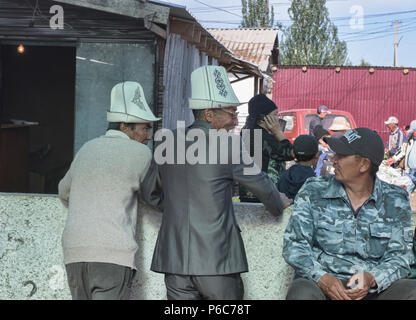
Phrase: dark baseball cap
[361,141]
[319,132]
[305,145]
[322,109]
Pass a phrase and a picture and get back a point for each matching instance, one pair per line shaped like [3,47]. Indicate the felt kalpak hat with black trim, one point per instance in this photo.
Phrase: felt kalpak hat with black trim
[211,89]
[128,104]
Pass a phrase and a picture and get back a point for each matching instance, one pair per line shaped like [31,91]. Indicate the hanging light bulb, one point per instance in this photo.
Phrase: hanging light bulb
[21,49]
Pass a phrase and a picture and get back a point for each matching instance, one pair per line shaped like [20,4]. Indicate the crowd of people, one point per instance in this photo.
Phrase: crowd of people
[349,236]
[400,150]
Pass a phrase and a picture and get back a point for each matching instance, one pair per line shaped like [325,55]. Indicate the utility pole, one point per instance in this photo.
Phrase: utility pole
[395,43]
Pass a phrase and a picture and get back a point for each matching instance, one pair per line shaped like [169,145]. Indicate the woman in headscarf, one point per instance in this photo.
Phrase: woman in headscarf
[276,149]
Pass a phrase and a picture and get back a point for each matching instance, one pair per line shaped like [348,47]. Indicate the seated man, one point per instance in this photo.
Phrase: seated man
[396,139]
[350,235]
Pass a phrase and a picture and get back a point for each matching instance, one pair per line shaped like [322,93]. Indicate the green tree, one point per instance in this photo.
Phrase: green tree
[312,38]
[364,63]
[256,14]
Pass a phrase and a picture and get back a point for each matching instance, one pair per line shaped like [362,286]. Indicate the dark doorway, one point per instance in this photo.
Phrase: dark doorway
[37,117]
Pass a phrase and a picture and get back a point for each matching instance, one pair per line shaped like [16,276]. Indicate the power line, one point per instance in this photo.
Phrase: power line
[239,7]
[376,30]
[332,19]
[217,8]
[236,7]
[370,16]
[379,37]
[406,26]
[364,35]
[376,15]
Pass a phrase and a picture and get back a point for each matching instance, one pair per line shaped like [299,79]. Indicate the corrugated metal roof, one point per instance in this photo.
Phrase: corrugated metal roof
[254,45]
[370,97]
[16,17]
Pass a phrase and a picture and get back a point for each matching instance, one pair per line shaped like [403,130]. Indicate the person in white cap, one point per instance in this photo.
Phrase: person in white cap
[199,247]
[100,191]
[396,138]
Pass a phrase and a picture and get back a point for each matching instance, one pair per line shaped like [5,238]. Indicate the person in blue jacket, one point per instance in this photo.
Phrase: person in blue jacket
[306,153]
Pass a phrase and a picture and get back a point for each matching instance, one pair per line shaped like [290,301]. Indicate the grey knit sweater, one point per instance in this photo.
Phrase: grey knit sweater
[100,191]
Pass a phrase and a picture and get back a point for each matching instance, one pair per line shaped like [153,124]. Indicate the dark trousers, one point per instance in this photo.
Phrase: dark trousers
[99,281]
[304,289]
[223,287]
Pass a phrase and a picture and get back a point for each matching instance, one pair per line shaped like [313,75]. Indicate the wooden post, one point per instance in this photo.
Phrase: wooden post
[256,85]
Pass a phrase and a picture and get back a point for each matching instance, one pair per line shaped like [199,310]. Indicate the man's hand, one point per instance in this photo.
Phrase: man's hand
[286,201]
[360,283]
[272,124]
[386,151]
[390,161]
[333,287]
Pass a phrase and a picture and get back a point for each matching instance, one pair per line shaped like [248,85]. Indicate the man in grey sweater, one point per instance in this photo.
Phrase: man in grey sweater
[100,191]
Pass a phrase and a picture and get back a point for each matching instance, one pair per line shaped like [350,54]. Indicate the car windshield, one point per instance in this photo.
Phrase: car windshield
[289,118]
[327,120]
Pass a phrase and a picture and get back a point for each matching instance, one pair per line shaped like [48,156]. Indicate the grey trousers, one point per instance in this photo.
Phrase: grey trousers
[99,281]
[304,289]
[223,287]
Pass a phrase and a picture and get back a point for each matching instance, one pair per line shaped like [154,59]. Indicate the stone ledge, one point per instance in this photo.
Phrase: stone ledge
[30,250]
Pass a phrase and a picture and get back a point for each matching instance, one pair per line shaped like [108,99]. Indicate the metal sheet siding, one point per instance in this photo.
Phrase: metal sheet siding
[370,98]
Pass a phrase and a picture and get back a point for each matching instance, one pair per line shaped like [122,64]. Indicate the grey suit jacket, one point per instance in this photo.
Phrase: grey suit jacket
[199,234]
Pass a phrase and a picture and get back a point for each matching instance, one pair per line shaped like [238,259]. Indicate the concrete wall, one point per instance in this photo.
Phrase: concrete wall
[30,250]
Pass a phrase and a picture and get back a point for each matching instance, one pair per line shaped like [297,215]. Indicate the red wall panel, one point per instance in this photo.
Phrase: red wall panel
[370,98]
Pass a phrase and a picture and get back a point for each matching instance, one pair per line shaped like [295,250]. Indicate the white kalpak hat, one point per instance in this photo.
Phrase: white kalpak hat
[211,89]
[128,104]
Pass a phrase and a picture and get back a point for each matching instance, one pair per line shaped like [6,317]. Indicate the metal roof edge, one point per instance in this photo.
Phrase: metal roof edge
[234,29]
[167,4]
[281,66]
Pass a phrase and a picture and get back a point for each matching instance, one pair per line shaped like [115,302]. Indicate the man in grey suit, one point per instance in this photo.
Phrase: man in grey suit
[199,246]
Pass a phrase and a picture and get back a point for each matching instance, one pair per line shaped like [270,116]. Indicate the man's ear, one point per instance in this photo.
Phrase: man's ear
[209,115]
[365,165]
[124,127]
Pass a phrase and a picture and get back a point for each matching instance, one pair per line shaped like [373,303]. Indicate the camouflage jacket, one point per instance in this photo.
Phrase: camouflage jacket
[324,236]
[274,156]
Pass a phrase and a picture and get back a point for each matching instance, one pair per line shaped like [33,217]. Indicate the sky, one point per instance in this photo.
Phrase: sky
[367,26]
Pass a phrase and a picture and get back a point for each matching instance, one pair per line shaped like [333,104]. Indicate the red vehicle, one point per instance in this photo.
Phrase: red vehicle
[297,121]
